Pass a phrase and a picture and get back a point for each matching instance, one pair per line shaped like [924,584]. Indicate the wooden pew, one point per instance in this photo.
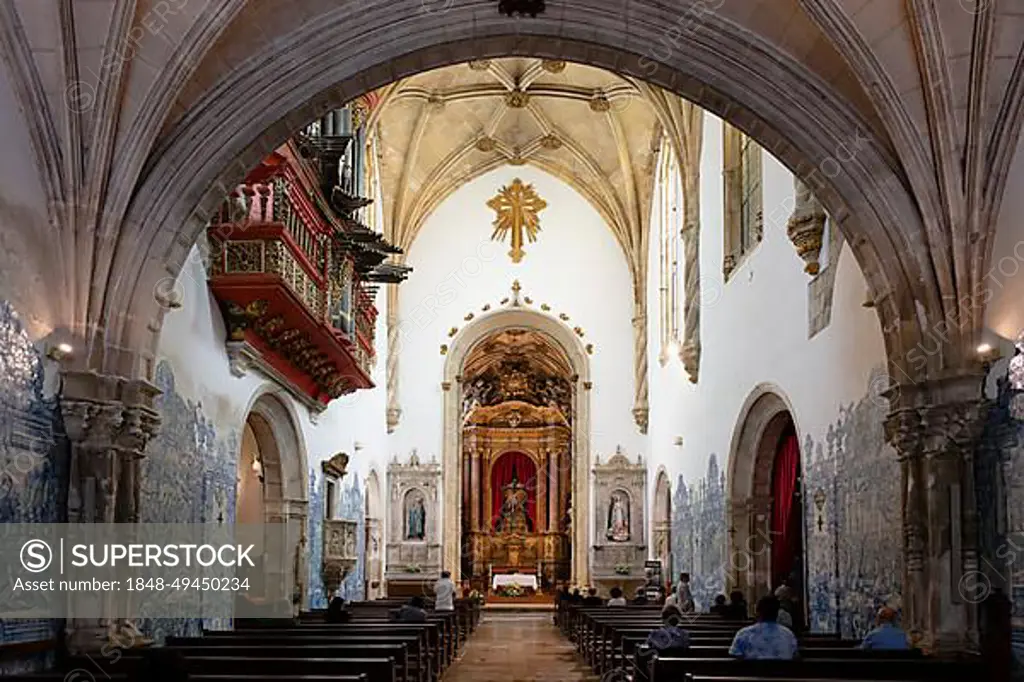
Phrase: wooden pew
[846,668]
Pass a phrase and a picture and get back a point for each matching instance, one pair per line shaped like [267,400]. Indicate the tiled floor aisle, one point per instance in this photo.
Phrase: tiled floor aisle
[518,647]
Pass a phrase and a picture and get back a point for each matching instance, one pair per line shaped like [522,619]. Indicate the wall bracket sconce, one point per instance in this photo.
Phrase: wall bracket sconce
[60,352]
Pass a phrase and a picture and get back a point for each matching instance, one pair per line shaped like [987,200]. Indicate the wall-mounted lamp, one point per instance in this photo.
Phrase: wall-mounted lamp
[357,446]
[257,468]
[678,442]
[60,352]
[987,353]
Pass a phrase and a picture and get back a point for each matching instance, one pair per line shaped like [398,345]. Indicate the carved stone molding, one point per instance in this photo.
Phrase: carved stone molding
[935,444]
[340,557]
[336,466]
[413,552]
[806,226]
[620,494]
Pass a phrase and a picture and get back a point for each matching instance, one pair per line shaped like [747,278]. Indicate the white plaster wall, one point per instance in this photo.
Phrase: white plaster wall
[754,330]
[576,267]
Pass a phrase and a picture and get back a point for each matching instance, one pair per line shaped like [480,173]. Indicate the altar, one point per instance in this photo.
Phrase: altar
[524,580]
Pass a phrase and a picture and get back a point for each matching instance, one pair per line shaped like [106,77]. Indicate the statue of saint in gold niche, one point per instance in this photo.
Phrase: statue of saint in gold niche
[514,519]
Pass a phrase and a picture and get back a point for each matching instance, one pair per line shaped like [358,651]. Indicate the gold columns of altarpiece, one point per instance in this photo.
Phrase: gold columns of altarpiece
[543,434]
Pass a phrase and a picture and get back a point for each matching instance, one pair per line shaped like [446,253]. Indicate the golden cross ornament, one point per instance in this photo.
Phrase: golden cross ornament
[516,206]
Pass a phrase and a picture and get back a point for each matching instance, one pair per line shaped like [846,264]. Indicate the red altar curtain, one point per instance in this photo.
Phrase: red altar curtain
[785,526]
[501,475]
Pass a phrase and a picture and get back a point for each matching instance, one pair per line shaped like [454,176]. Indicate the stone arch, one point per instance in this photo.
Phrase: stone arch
[462,345]
[786,107]
[283,456]
[661,522]
[764,417]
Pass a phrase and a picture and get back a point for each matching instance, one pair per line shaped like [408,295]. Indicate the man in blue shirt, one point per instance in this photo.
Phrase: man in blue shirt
[887,636]
[766,639]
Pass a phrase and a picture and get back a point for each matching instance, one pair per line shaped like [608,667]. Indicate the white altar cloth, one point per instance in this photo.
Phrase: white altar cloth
[521,579]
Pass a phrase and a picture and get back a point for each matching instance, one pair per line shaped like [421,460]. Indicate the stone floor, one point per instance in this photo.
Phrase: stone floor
[518,647]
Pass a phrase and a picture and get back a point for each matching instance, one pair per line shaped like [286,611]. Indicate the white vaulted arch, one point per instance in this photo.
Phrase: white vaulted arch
[516,317]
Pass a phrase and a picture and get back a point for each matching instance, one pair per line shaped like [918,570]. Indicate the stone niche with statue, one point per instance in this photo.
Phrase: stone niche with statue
[413,549]
[620,536]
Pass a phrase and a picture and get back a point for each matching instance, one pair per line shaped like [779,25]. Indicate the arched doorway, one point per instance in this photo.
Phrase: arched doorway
[561,427]
[374,538]
[517,431]
[271,490]
[662,524]
[765,501]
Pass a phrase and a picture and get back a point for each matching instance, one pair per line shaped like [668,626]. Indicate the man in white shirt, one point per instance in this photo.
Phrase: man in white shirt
[444,593]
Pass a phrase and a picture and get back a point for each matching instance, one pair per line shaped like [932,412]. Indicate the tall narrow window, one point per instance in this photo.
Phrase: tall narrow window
[669,219]
[741,176]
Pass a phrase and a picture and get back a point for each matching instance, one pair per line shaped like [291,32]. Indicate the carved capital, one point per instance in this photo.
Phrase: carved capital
[806,227]
[139,425]
[641,416]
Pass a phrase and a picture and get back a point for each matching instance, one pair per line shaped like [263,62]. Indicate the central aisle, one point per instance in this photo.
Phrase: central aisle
[518,647]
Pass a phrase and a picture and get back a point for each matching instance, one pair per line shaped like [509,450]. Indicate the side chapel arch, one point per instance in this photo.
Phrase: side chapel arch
[661,522]
[282,472]
[766,416]
[462,345]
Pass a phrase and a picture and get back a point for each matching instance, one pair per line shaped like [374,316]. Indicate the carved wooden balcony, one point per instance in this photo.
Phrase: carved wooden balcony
[293,299]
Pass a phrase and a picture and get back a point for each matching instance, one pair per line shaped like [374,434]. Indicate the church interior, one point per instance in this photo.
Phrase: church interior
[538,296]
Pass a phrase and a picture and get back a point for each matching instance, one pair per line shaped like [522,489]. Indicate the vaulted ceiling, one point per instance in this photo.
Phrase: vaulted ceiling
[594,129]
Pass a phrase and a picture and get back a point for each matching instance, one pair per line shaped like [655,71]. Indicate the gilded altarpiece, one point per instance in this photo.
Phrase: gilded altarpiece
[414,526]
[620,546]
[516,491]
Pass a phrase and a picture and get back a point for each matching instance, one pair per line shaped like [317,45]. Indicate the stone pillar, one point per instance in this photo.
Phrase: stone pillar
[936,441]
[109,421]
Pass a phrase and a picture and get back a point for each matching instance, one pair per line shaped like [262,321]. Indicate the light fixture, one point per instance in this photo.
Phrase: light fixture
[60,352]
[984,349]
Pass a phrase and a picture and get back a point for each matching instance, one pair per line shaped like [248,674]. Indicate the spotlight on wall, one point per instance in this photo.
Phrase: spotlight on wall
[60,352]
[984,349]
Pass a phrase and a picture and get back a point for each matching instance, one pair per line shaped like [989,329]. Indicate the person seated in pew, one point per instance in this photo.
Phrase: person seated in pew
[737,606]
[413,612]
[720,608]
[684,596]
[670,636]
[337,613]
[641,597]
[592,599]
[887,636]
[766,639]
[444,593]
[577,598]
[785,617]
[617,598]
[159,665]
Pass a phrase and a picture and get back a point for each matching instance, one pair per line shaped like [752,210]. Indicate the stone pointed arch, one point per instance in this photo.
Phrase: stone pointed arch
[283,452]
[465,341]
[763,418]
[731,72]
[661,522]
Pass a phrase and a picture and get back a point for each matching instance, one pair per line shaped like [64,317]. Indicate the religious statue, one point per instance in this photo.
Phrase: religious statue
[416,516]
[514,518]
[618,518]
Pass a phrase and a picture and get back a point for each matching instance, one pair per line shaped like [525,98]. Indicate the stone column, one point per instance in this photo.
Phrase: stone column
[109,421]
[936,440]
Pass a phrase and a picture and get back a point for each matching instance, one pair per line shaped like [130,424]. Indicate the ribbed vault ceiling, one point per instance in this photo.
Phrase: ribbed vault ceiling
[594,129]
